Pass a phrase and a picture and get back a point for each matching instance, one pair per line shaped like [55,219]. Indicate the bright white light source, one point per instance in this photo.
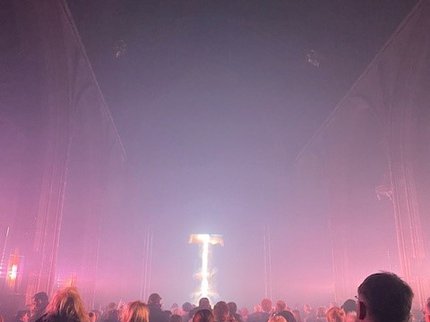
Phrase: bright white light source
[13,272]
[205,273]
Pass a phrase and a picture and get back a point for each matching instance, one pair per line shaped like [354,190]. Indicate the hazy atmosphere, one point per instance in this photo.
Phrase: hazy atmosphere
[216,117]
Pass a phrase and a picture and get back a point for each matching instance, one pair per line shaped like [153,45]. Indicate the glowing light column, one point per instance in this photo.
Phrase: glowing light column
[205,273]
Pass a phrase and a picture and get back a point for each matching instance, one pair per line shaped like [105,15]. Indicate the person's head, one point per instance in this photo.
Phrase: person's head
[266,305]
[221,311]
[244,312]
[280,306]
[204,315]
[232,306]
[287,315]
[187,307]
[384,297]
[67,304]
[40,301]
[135,312]
[335,314]
[349,306]
[175,309]
[350,309]
[154,299]
[204,303]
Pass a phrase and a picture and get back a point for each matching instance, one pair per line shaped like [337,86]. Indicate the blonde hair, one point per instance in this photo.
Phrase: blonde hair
[67,303]
[335,314]
[135,312]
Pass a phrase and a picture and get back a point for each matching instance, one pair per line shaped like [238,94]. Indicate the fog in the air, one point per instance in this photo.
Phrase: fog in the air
[209,118]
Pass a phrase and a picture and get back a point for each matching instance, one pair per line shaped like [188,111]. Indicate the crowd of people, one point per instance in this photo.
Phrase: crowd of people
[382,297]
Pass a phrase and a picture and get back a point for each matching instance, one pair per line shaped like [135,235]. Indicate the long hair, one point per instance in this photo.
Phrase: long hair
[204,315]
[335,314]
[67,305]
[221,311]
[135,312]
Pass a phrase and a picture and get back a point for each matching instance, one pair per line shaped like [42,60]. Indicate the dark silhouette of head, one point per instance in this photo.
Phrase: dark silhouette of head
[40,301]
[384,297]
[350,309]
[187,307]
[349,306]
[154,299]
[221,311]
[232,306]
[204,303]
[287,315]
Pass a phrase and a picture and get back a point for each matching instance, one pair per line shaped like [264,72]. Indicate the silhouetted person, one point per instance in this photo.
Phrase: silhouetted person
[39,304]
[384,297]
[263,316]
[350,309]
[155,312]
[232,306]
[221,312]
[187,307]
[287,315]
[111,314]
[204,304]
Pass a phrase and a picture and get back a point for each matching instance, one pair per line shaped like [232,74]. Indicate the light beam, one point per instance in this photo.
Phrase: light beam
[205,273]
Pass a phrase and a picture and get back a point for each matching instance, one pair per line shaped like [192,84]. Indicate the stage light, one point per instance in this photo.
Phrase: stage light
[205,275]
[12,274]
